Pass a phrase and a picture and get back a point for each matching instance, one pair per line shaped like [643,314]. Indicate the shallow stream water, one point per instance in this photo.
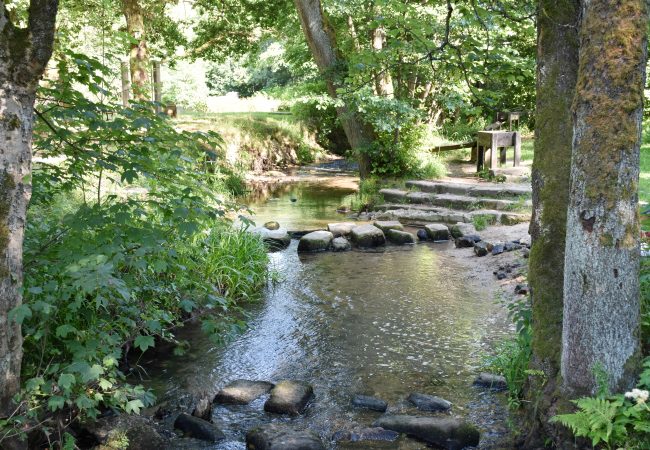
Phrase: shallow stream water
[386,323]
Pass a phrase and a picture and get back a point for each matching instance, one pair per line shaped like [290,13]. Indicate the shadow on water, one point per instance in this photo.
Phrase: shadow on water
[386,324]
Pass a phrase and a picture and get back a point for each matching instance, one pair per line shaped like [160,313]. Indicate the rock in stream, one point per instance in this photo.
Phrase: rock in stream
[277,436]
[242,392]
[426,402]
[289,397]
[448,433]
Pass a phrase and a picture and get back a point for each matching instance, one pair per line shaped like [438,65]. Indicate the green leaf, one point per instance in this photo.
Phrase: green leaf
[65,329]
[134,406]
[56,402]
[20,313]
[144,342]
[66,380]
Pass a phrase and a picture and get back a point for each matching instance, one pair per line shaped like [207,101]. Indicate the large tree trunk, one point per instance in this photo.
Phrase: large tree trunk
[24,53]
[601,277]
[383,80]
[557,69]
[322,44]
[139,56]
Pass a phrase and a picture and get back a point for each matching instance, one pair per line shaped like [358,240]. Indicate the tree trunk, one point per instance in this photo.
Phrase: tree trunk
[24,53]
[557,69]
[322,44]
[139,56]
[601,277]
[383,81]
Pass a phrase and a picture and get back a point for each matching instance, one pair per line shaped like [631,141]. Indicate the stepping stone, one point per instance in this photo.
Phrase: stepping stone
[203,409]
[393,195]
[398,237]
[437,232]
[448,433]
[422,235]
[368,236]
[481,248]
[461,229]
[340,244]
[274,239]
[365,434]
[198,428]
[385,225]
[365,401]
[492,381]
[497,249]
[316,241]
[419,197]
[289,397]
[468,241]
[277,436]
[426,402]
[272,225]
[242,392]
[341,229]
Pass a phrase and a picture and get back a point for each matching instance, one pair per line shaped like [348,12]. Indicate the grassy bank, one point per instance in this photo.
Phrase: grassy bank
[258,141]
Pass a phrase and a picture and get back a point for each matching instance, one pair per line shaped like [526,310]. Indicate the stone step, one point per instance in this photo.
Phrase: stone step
[423,214]
[472,190]
[453,201]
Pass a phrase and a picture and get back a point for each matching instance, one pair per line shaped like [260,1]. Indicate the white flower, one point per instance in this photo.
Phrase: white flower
[638,395]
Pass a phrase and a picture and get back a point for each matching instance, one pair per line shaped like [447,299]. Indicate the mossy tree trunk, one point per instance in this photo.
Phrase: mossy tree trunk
[601,278]
[322,44]
[383,80]
[24,54]
[557,69]
[139,55]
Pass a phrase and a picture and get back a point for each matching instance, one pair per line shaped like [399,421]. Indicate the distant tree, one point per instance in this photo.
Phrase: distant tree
[557,69]
[24,54]
[139,54]
[322,43]
[601,274]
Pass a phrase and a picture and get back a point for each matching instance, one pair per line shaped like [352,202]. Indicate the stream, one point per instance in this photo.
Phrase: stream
[388,323]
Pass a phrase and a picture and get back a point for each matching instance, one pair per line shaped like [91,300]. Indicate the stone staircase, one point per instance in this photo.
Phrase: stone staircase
[450,202]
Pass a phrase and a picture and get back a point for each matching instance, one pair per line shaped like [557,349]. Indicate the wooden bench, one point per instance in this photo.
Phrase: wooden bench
[487,143]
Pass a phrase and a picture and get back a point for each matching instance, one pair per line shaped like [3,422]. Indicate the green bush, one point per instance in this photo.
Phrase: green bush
[126,239]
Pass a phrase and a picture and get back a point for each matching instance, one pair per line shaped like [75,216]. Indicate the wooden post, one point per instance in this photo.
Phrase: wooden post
[493,152]
[157,87]
[517,149]
[126,83]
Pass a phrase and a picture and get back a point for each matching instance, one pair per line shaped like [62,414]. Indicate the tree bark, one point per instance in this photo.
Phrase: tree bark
[322,44]
[601,277]
[139,55]
[557,69]
[24,54]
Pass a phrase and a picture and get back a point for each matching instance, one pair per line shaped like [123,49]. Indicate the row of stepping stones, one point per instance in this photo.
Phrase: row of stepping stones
[290,397]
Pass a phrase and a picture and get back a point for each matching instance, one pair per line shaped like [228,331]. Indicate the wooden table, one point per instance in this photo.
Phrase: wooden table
[509,117]
[487,143]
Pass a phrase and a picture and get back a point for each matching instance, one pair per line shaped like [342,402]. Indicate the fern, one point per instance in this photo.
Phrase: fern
[597,418]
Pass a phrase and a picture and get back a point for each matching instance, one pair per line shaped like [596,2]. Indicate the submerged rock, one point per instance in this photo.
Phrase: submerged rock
[316,241]
[366,401]
[340,244]
[198,428]
[277,436]
[368,236]
[289,397]
[385,225]
[448,433]
[426,402]
[491,381]
[274,239]
[422,235]
[365,434]
[480,249]
[242,392]
[341,229]
[497,249]
[437,232]
[398,237]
